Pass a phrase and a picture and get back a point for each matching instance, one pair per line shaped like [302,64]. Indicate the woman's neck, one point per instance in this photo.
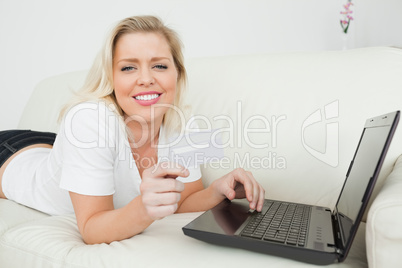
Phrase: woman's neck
[145,134]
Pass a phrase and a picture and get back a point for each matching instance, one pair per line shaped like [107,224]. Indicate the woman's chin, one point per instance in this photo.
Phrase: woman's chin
[144,118]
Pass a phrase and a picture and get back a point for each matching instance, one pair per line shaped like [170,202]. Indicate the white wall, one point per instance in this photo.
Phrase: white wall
[42,38]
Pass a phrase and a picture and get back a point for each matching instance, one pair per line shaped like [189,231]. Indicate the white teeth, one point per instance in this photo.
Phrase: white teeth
[147,97]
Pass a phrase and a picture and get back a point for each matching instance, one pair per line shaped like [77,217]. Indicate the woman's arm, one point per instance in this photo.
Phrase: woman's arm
[236,184]
[196,198]
[99,222]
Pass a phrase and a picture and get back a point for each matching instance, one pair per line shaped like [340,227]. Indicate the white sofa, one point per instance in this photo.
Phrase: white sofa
[276,93]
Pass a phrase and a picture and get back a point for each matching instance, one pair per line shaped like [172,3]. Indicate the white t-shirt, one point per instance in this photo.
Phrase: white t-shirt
[91,156]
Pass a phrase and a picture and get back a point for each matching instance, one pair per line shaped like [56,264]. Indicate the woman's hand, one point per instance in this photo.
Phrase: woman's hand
[160,190]
[240,184]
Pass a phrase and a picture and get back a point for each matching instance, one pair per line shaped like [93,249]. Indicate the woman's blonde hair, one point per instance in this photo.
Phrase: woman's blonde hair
[99,82]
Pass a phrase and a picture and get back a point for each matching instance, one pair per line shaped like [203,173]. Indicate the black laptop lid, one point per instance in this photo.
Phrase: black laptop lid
[362,175]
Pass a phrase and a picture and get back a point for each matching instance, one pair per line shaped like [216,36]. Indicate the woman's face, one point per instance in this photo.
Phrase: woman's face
[144,76]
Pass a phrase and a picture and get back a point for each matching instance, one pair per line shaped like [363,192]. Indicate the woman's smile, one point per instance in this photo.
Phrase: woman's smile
[147,98]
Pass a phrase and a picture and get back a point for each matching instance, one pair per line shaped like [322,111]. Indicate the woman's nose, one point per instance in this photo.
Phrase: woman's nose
[146,78]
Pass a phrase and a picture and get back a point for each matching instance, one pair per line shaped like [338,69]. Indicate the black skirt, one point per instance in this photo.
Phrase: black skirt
[14,140]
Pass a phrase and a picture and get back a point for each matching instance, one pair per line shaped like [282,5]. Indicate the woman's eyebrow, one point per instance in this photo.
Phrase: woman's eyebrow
[160,58]
[135,60]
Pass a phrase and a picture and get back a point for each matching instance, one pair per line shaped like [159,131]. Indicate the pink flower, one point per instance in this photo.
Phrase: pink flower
[346,18]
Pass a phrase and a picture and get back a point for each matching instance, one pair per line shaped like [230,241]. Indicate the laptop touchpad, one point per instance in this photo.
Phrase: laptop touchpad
[225,218]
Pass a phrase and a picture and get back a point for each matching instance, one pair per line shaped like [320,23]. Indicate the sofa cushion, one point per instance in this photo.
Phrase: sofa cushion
[384,223]
[13,214]
[48,98]
[54,241]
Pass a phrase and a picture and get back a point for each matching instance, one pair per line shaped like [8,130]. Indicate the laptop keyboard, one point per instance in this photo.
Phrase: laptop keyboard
[283,222]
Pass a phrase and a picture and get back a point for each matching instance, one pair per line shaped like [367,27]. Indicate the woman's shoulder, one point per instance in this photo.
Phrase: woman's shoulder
[95,114]
[92,121]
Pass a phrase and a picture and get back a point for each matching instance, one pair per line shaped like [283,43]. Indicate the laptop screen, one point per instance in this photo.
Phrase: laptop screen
[363,172]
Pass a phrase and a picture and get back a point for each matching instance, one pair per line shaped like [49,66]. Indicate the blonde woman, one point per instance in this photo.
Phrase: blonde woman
[103,165]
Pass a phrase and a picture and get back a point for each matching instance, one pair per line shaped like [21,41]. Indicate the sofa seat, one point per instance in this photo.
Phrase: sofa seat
[44,241]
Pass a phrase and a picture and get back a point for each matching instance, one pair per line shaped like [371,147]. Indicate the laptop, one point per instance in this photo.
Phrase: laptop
[306,233]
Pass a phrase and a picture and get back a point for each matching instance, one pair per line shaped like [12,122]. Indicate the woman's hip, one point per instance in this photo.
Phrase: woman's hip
[12,141]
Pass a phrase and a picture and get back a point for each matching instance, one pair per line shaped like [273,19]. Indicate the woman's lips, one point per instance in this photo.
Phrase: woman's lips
[147,98]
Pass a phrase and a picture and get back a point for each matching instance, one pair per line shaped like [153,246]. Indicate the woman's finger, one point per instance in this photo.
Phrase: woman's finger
[255,191]
[159,212]
[161,185]
[161,199]
[242,177]
[261,199]
[167,170]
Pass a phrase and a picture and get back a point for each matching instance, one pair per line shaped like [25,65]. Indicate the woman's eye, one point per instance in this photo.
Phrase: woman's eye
[161,66]
[127,68]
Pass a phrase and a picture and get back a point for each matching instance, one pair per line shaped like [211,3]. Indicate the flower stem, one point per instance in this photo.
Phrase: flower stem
[347,27]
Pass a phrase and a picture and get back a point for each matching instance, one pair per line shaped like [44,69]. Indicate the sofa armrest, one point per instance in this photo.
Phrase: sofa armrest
[384,232]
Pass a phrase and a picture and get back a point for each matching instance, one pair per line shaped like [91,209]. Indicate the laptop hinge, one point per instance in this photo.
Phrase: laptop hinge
[337,234]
